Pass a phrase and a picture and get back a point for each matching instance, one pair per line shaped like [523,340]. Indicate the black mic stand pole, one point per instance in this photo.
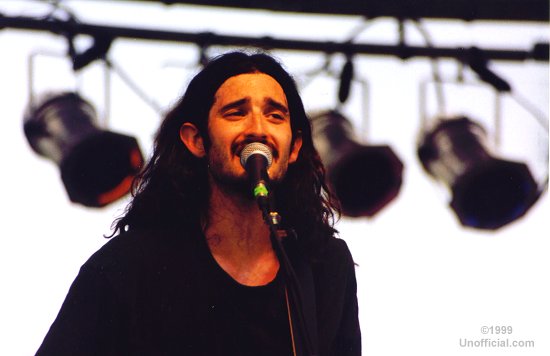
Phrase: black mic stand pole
[277,233]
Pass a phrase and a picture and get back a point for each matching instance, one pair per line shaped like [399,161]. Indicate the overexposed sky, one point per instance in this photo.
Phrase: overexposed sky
[425,282]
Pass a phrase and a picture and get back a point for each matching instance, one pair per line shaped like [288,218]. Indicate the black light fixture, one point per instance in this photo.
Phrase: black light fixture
[97,166]
[98,50]
[487,192]
[364,178]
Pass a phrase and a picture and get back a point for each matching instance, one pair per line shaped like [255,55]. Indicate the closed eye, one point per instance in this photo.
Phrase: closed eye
[277,115]
[276,110]
[235,109]
[235,113]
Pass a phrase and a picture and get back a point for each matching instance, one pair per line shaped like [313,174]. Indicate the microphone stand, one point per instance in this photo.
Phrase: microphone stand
[295,294]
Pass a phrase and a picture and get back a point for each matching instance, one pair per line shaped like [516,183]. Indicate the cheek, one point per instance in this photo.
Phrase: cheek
[285,141]
[224,131]
[217,136]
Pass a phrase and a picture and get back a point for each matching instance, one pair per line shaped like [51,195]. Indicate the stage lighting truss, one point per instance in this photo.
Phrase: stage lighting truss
[364,177]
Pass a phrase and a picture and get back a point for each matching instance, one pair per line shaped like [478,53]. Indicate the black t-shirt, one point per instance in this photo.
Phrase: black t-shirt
[163,293]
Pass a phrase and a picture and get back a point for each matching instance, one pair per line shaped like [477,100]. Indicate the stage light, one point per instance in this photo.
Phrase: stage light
[364,178]
[487,192]
[97,166]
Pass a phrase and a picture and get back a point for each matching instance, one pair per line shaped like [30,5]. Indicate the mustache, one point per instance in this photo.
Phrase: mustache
[238,147]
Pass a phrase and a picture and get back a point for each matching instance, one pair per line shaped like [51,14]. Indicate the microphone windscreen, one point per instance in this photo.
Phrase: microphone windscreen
[256,148]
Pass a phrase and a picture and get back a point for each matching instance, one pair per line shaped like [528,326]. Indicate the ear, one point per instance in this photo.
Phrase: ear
[296,146]
[192,139]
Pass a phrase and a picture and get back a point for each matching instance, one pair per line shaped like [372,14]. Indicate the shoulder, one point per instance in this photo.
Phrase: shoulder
[139,247]
[334,251]
[333,264]
[134,262]
[126,245]
[337,247]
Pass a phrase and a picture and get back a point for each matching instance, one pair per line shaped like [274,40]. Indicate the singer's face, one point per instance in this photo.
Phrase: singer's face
[249,108]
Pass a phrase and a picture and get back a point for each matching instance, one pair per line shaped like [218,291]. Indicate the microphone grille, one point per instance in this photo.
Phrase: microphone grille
[256,148]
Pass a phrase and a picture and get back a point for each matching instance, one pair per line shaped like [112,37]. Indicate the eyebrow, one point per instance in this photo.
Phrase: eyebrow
[234,104]
[275,104]
[269,101]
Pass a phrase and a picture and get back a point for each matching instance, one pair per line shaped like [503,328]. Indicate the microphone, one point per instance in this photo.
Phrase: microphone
[256,158]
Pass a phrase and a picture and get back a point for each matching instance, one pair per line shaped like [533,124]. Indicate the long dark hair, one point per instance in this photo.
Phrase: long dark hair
[172,190]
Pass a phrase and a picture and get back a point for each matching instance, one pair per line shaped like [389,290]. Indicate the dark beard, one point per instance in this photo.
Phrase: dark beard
[233,185]
[240,186]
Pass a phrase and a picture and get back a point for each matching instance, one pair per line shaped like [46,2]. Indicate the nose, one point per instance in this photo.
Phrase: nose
[256,127]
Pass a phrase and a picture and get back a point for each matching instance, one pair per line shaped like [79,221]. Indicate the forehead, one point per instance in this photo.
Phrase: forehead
[250,85]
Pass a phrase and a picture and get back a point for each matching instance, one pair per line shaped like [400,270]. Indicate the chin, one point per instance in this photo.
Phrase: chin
[233,183]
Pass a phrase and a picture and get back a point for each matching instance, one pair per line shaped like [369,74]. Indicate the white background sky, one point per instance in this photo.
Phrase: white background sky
[424,281]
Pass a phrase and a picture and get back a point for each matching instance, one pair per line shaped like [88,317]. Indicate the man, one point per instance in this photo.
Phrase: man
[193,270]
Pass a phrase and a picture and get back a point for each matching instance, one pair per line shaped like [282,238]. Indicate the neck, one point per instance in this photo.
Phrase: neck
[238,238]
